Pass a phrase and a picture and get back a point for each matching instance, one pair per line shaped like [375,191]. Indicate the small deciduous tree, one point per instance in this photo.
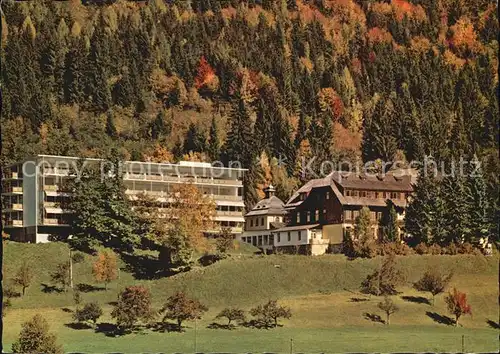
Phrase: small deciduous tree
[24,276]
[36,338]
[181,308]
[77,298]
[225,240]
[89,312]
[61,275]
[269,313]
[434,282]
[105,267]
[134,304]
[384,280]
[388,306]
[457,304]
[232,314]
[364,245]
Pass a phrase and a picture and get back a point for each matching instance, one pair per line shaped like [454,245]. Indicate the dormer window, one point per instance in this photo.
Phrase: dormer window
[302,196]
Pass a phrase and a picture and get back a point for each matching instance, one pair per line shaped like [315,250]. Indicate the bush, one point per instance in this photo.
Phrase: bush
[452,249]
[433,282]
[35,338]
[397,248]
[90,312]
[9,292]
[268,314]
[422,248]
[6,303]
[435,249]
[78,257]
[466,248]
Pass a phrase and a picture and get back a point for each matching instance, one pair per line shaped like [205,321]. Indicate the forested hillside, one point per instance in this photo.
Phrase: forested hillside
[229,79]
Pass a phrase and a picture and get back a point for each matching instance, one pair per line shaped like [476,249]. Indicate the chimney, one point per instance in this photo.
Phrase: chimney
[269,191]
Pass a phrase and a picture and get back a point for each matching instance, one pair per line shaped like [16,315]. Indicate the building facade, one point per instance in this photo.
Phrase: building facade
[266,215]
[34,200]
[334,202]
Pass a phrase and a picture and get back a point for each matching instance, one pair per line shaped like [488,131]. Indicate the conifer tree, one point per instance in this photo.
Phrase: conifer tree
[214,149]
[195,140]
[240,144]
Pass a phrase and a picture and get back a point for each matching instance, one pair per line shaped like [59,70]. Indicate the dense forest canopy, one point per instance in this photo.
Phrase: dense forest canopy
[252,80]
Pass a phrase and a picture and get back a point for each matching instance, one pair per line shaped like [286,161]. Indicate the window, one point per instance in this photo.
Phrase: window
[348,193]
[377,195]
[299,235]
[372,215]
[316,215]
[251,222]
[261,221]
[271,239]
[289,236]
[394,195]
[379,215]
[327,195]
[279,237]
[308,216]
[324,214]
[354,193]
[260,241]
[356,214]
[362,194]
[298,217]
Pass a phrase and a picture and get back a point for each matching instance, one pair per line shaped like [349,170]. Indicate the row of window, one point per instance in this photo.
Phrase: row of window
[374,194]
[261,240]
[308,216]
[353,214]
[289,236]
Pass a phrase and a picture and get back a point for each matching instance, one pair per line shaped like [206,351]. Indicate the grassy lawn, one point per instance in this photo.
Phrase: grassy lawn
[321,291]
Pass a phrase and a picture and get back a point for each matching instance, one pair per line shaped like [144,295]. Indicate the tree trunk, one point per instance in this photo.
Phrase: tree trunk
[179,324]
[229,322]
[24,289]
[387,322]
[276,322]
[456,320]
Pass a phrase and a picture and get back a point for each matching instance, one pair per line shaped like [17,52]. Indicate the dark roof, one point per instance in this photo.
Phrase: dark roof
[268,206]
[388,182]
[298,227]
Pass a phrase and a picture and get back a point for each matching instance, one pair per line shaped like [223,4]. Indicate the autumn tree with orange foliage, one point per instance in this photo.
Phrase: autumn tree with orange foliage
[206,77]
[105,268]
[189,214]
[457,304]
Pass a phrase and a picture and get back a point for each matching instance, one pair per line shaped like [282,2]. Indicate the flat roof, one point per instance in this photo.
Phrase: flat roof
[297,227]
[186,164]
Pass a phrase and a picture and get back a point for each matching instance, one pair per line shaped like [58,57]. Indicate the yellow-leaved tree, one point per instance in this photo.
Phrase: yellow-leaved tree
[105,268]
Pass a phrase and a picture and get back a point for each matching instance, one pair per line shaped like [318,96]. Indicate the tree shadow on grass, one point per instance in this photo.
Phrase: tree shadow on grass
[145,267]
[112,330]
[258,324]
[358,299]
[164,327]
[112,303]
[67,310]
[77,325]
[373,317]
[87,288]
[493,324]
[436,317]
[50,288]
[416,299]
[215,325]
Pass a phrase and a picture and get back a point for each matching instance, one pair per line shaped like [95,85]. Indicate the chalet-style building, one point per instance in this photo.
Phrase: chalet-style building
[266,215]
[334,202]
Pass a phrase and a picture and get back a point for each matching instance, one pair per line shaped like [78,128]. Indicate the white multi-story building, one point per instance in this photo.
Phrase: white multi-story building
[33,198]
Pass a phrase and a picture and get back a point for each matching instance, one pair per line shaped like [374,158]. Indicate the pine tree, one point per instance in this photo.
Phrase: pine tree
[240,143]
[195,140]
[457,218]
[214,149]
[476,202]
[389,223]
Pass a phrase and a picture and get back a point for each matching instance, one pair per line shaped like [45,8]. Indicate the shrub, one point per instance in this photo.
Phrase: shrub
[224,241]
[35,338]
[268,314]
[457,304]
[232,314]
[77,297]
[384,280]
[181,308]
[452,249]
[9,292]
[90,312]
[134,304]
[422,248]
[397,248]
[435,249]
[6,303]
[388,307]
[78,257]
[466,248]
[434,282]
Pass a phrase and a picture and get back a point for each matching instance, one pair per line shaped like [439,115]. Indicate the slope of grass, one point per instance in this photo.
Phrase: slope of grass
[321,292]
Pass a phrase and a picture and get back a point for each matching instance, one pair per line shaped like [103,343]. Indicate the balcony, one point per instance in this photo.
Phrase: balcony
[54,222]
[14,223]
[229,213]
[12,190]
[12,175]
[182,179]
[55,172]
[50,188]
[16,206]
